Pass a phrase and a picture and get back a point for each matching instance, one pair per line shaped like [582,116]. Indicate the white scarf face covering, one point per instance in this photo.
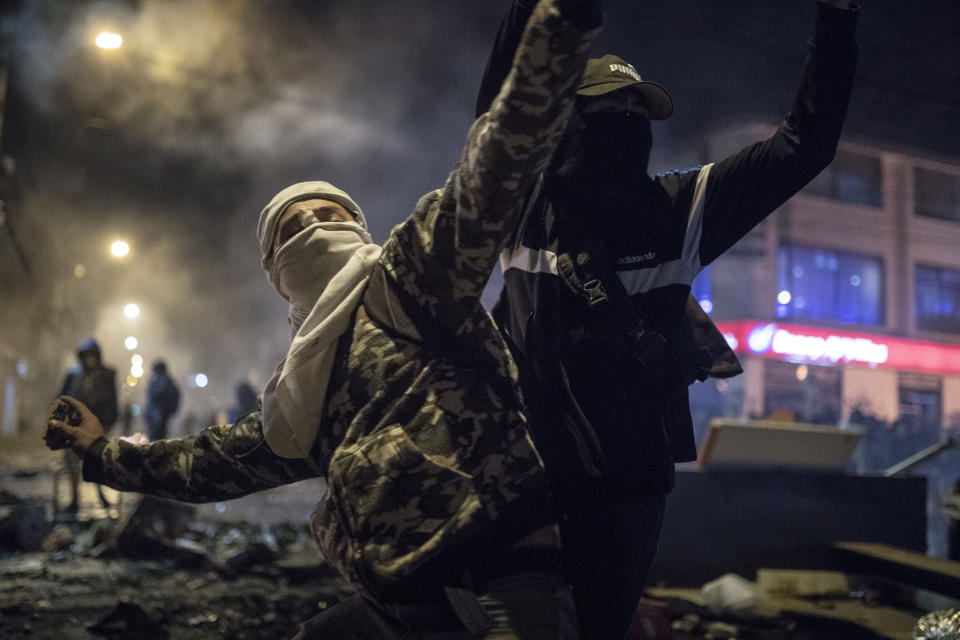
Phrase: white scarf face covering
[322,272]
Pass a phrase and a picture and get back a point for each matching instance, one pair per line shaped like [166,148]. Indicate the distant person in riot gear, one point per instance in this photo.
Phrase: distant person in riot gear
[596,299]
[398,390]
[163,400]
[96,386]
[246,400]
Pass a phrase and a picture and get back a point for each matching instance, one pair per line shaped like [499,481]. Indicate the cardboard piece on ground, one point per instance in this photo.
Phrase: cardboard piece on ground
[803,584]
[886,622]
[772,444]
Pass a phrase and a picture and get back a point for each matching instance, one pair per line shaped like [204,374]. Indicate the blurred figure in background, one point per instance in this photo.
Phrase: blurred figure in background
[96,386]
[246,401]
[163,400]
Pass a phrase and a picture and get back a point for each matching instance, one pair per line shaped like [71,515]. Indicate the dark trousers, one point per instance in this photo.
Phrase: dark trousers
[953,541]
[526,606]
[607,552]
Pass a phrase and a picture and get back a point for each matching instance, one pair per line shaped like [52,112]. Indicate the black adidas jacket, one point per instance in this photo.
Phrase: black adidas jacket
[608,426]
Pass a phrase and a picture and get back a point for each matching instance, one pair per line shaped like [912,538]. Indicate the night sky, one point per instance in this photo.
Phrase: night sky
[176,140]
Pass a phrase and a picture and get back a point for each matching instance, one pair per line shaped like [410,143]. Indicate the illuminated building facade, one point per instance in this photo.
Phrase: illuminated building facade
[844,306]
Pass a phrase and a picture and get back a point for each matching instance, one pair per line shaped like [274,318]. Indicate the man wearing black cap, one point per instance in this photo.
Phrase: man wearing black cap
[596,299]
[163,400]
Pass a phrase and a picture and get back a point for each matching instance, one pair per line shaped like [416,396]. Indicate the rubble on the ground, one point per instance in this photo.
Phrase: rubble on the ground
[23,523]
[158,573]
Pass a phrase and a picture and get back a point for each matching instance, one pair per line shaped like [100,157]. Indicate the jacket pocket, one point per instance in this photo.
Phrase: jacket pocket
[400,505]
[545,383]
[332,538]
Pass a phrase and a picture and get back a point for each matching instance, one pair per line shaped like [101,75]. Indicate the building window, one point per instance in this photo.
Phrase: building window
[826,284]
[937,194]
[802,392]
[851,177]
[937,293]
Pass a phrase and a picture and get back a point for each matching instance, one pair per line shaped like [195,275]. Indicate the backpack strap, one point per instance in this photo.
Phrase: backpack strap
[611,318]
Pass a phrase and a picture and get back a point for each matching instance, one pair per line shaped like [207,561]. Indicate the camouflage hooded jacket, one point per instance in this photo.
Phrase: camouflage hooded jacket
[423,442]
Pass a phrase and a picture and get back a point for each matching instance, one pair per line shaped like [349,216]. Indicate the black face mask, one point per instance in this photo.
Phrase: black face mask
[617,144]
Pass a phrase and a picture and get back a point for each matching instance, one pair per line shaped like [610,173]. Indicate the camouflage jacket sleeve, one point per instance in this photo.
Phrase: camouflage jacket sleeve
[221,462]
[449,246]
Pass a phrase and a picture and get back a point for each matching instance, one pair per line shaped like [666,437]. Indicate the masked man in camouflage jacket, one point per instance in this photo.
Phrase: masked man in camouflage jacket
[397,388]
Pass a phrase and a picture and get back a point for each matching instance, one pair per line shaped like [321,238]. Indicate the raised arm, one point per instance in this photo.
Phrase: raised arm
[746,187]
[512,143]
[504,48]
[449,246]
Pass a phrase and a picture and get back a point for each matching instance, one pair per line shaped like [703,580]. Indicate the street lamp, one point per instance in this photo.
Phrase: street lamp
[107,40]
[131,310]
[120,249]
[131,343]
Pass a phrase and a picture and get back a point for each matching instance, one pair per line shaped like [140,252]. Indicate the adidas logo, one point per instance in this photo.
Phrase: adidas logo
[635,259]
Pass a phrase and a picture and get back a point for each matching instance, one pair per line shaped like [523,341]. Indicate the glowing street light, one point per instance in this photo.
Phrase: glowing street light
[136,360]
[132,381]
[136,371]
[120,249]
[107,40]
[131,343]
[200,380]
[131,310]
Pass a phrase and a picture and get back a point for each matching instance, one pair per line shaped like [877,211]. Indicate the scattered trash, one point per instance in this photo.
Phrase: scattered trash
[244,580]
[255,554]
[803,584]
[98,532]
[60,538]
[938,625]
[651,621]
[687,623]
[154,518]
[132,621]
[23,523]
[729,592]
[203,618]
[29,566]
[720,631]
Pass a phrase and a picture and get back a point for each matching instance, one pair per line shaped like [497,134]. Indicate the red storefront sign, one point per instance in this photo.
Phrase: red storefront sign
[823,346]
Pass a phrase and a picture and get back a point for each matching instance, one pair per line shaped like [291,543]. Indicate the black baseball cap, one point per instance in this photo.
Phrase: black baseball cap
[611,73]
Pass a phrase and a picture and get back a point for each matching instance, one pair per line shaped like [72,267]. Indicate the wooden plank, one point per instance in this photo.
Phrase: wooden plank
[886,622]
[909,567]
[921,561]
